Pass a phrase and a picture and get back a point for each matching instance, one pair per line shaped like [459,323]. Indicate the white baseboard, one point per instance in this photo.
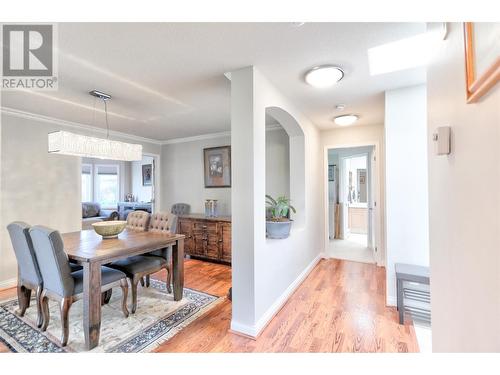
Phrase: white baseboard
[254,330]
[8,283]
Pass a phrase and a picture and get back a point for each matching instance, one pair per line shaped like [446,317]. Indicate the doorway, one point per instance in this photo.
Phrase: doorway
[351,203]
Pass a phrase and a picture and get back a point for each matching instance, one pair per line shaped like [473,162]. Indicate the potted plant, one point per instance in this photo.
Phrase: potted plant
[278,222]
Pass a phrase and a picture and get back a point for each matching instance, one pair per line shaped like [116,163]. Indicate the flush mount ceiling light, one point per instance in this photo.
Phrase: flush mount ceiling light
[345,120]
[324,76]
[66,143]
[405,53]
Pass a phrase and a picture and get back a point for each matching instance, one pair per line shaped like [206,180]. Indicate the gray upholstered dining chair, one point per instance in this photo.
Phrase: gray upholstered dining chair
[60,283]
[180,209]
[163,222]
[138,220]
[139,266]
[28,275]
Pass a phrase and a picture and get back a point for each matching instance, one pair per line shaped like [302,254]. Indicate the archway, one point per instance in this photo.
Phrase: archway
[296,162]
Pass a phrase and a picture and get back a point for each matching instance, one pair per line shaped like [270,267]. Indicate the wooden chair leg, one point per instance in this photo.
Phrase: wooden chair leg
[124,286]
[134,283]
[66,303]
[169,280]
[45,311]
[147,281]
[39,320]
[23,297]
[142,281]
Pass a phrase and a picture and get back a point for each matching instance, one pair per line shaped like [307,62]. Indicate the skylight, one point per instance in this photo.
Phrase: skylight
[404,54]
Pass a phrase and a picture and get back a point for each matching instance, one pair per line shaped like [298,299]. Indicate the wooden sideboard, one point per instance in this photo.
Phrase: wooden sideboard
[206,237]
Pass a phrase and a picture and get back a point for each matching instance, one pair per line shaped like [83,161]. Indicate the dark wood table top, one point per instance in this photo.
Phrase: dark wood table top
[88,246]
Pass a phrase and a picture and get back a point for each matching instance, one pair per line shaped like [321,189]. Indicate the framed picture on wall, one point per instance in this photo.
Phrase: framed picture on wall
[331,172]
[147,174]
[217,163]
[482,58]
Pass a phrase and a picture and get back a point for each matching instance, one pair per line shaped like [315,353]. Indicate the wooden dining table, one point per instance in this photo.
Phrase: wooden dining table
[90,250]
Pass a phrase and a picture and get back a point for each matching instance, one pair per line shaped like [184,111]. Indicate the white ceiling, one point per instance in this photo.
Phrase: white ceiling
[167,79]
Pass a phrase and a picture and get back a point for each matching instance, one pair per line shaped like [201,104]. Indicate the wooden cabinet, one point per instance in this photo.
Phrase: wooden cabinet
[207,238]
[225,242]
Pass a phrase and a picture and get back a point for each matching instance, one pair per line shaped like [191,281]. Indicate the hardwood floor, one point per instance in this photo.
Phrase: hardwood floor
[340,307]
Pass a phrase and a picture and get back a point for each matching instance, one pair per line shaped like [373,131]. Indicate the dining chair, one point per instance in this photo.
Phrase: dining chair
[137,267]
[165,223]
[138,220]
[141,266]
[62,285]
[28,275]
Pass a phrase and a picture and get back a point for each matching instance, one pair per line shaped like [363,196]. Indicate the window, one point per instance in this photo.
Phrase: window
[101,183]
[86,182]
[107,185]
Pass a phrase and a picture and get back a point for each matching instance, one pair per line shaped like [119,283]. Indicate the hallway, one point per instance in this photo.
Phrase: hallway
[353,248]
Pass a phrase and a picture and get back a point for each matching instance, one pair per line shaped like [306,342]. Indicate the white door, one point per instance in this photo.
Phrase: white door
[344,199]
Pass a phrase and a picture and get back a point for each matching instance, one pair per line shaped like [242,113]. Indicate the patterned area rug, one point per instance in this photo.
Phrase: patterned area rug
[157,319]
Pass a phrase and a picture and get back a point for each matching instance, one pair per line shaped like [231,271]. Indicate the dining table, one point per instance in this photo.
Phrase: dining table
[92,251]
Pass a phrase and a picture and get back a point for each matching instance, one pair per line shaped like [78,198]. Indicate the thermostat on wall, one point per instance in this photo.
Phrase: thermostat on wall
[442,137]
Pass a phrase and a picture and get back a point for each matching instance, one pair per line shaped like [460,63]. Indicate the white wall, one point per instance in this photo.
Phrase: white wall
[354,136]
[277,163]
[464,208]
[183,176]
[141,193]
[407,206]
[264,271]
[38,187]
[183,179]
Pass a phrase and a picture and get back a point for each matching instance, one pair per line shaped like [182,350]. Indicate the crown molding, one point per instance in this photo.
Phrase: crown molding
[270,127]
[74,125]
[79,126]
[197,138]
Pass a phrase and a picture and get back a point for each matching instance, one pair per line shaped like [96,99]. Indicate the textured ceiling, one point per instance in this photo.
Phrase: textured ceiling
[167,79]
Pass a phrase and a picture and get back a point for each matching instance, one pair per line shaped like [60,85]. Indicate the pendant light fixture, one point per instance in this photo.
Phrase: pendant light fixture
[66,143]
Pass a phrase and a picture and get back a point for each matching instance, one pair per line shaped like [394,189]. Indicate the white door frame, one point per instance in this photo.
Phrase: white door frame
[343,183]
[378,222]
[156,180]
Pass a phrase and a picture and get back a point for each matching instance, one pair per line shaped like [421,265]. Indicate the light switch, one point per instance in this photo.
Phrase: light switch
[442,137]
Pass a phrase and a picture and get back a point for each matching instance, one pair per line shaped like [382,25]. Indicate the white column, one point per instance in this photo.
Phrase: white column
[247,193]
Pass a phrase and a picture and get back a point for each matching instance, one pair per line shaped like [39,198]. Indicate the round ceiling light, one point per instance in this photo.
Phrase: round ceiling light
[345,120]
[324,76]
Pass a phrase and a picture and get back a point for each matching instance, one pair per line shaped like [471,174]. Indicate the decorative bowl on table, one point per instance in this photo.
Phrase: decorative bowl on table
[109,229]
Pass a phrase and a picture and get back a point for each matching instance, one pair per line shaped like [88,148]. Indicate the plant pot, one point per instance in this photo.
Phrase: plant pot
[278,229]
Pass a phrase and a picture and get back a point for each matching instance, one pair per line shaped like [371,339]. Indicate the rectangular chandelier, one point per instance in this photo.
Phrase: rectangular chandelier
[66,143]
